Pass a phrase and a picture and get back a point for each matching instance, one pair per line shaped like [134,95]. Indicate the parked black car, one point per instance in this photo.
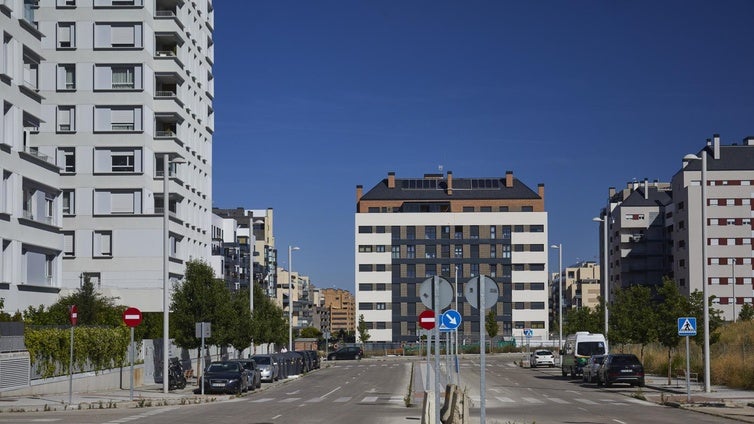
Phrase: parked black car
[315,358]
[225,376]
[621,368]
[254,374]
[350,352]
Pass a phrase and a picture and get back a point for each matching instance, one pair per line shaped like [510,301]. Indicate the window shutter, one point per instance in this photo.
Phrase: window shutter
[122,202]
[64,35]
[68,243]
[122,35]
[102,120]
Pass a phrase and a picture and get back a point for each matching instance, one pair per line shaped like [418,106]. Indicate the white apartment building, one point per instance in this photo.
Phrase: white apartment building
[728,224]
[408,230]
[31,247]
[126,84]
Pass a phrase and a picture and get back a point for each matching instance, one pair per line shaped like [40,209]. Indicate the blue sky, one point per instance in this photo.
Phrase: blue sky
[315,97]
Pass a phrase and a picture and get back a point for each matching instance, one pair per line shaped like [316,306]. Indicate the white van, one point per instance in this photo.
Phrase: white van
[578,348]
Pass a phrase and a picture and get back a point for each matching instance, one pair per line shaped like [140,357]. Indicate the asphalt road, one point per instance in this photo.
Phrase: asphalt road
[372,391]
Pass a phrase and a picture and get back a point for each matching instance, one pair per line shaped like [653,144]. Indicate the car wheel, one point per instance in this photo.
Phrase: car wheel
[259,384]
[608,383]
[599,381]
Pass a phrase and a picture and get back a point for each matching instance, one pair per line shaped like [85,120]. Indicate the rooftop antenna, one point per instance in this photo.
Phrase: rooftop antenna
[439,168]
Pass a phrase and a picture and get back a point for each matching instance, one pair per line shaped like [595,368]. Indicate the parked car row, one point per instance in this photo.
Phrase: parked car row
[240,375]
[614,368]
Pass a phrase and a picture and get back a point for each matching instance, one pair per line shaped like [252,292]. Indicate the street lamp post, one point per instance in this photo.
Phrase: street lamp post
[290,298]
[165,264]
[559,246]
[705,295]
[605,265]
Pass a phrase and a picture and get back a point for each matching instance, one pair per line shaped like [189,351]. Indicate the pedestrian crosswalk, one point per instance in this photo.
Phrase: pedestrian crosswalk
[368,399]
[508,401]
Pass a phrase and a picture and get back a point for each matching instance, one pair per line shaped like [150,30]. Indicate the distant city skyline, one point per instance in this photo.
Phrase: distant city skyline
[313,99]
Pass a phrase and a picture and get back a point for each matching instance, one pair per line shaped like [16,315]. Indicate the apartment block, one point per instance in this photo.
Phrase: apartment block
[722,224]
[410,229]
[126,91]
[300,296]
[639,240]
[31,202]
[340,305]
[582,285]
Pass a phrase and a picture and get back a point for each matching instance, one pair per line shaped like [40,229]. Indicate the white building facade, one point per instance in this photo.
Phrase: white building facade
[125,85]
[31,247]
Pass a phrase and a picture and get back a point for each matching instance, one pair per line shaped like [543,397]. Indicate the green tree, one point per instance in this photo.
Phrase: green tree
[268,323]
[672,306]
[696,309]
[632,317]
[362,329]
[582,319]
[93,309]
[490,324]
[241,333]
[201,298]
[310,333]
[746,313]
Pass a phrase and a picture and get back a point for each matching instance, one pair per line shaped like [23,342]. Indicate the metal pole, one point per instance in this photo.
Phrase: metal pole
[290,301]
[482,348]
[560,297]
[70,372]
[165,275]
[688,369]
[605,260]
[131,391]
[455,334]
[436,307]
[705,295]
[201,356]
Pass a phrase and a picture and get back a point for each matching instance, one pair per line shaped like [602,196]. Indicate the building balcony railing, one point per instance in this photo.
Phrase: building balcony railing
[164,14]
[165,94]
[165,133]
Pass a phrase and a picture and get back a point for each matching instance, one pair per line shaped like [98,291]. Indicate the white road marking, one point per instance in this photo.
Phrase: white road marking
[343,399]
[396,399]
[558,400]
[331,392]
[289,400]
[369,399]
[619,421]
[504,399]
[531,400]
[260,400]
[315,400]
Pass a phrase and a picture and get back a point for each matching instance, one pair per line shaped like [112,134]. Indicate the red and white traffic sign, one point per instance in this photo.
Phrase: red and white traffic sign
[73,314]
[427,319]
[132,317]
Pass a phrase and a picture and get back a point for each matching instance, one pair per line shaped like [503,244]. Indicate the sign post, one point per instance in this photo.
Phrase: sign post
[203,329]
[687,327]
[132,317]
[436,293]
[482,293]
[74,317]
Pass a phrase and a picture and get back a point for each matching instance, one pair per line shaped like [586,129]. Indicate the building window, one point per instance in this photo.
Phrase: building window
[474,231]
[493,232]
[474,251]
[430,270]
[396,252]
[445,232]
[65,3]
[364,306]
[123,161]
[503,209]
[468,209]
[485,209]
[365,287]
[66,119]
[66,35]
[410,271]
[68,197]
[380,286]
[536,247]
[493,251]
[527,209]
[395,232]
[365,267]
[380,229]
[430,251]
[493,270]
[364,248]
[410,251]
[445,251]
[118,35]
[123,77]
[69,247]
[411,232]
[118,118]
[445,270]
[506,231]
[537,228]
[381,306]
[67,159]
[102,244]
[474,270]
[430,232]
[365,229]
[537,305]
[67,77]
[117,202]
[380,248]
[458,251]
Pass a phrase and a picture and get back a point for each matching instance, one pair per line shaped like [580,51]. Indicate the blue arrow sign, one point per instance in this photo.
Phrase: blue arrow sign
[687,326]
[528,332]
[450,319]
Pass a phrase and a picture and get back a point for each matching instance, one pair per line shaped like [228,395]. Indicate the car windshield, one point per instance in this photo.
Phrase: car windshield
[590,348]
[223,367]
[544,352]
[625,360]
[262,360]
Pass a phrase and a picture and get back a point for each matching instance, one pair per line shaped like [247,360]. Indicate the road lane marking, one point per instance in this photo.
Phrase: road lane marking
[315,400]
[619,421]
[260,400]
[369,399]
[331,392]
[343,399]
[558,400]
[504,399]
[641,402]
[396,399]
[531,400]
[277,416]
[289,400]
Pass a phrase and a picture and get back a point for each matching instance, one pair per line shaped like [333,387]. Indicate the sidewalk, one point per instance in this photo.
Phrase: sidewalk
[143,397]
[721,401]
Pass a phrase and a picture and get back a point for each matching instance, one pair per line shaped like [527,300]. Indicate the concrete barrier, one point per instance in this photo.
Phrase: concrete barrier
[117,378]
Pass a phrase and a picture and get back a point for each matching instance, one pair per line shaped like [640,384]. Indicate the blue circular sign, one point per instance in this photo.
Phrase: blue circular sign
[450,319]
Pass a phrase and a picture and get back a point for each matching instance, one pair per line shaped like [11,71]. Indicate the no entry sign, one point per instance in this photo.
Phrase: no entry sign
[427,319]
[74,314]
[132,317]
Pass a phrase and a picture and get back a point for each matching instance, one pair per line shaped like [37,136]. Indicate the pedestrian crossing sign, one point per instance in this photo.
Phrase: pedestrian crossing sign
[687,326]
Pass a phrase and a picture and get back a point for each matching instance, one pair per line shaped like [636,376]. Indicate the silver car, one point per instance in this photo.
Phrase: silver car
[591,368]
[541,357]
[268,366]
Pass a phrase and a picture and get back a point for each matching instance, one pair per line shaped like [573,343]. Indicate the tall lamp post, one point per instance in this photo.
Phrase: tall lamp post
[605,265]
[559,246]
[290,298]
[165,264]
[705,295]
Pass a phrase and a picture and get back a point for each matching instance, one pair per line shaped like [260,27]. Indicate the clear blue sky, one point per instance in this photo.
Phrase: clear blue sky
[315,97]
